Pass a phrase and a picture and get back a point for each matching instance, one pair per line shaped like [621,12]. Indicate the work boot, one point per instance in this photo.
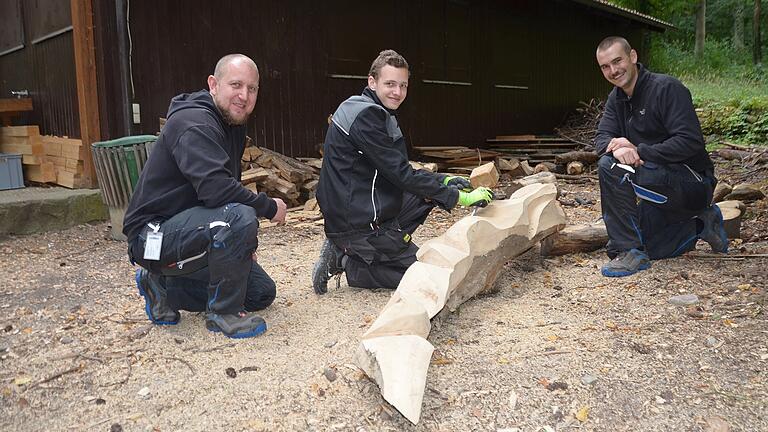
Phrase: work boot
[237,326]
[626,263]
[326,267]
[155,301]
[713,231]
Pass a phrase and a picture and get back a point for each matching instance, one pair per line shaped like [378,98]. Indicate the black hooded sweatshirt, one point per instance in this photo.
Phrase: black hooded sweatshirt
[366,169]
[195,162]
[659,119]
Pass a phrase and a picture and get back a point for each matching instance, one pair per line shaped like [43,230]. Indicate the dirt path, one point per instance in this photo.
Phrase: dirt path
[557,346]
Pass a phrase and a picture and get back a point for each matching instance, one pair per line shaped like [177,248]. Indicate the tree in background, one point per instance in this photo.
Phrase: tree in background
[757,55]
[701,28]
[738,25]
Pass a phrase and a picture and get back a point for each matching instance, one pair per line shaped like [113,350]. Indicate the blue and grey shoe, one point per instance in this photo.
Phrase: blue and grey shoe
[155,302]
[626,263]
[713,231]
[238,326]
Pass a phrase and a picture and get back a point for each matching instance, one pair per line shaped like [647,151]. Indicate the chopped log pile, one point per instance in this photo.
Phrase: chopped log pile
[535,149]
[45,159]
[265,170]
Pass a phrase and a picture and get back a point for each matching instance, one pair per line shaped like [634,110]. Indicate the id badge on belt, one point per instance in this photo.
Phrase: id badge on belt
[154,243]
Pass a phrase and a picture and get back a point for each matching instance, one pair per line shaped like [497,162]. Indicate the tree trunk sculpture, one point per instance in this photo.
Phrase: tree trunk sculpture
[450,269]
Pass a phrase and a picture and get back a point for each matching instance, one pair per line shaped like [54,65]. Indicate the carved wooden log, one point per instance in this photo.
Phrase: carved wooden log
[450,269]
[485,175]
[574,168]
[575,238]
[732,212]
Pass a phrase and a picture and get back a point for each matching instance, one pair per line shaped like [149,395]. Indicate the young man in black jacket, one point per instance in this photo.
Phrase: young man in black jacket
[371,198]
[656,178]
[190,224]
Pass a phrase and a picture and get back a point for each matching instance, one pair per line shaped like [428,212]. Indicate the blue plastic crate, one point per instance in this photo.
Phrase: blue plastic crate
[11,176]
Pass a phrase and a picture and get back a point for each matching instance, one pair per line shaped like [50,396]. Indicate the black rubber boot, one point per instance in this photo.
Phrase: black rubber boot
[155,301]
[238,326]
[713,231]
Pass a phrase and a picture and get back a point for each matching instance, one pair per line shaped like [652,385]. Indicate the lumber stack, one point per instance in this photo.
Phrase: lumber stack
[277,175]
[67,156]
[448,157]
[26,141]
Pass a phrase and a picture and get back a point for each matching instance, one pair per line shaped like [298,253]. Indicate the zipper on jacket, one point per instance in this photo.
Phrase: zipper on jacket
[373,200]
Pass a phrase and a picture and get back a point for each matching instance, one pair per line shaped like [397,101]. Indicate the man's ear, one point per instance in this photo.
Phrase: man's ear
[633,56]
[371,83]
[212,84]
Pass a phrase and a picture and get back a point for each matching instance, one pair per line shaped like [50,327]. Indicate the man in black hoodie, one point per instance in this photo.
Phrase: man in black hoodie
[190,224]
[656,178]
[371,198]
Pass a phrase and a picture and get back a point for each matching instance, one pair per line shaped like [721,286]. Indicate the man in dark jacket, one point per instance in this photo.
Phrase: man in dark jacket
[656,178]
[190,224]
[371,198]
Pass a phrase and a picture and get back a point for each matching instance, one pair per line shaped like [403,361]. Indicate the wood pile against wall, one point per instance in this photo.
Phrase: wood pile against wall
[45,159]
[280,176]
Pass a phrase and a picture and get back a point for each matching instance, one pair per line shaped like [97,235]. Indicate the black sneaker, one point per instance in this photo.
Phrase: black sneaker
[626,263]
[714,231]
[155,302]
[237,326]
[326,267]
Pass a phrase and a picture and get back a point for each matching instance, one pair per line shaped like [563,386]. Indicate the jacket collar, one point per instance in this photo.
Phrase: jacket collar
[642,77]
[367,92]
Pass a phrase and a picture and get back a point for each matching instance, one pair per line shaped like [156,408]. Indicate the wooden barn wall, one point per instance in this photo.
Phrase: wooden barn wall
[478,68]
[46,69]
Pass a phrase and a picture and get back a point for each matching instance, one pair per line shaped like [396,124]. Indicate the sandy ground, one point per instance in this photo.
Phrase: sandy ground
[557,347]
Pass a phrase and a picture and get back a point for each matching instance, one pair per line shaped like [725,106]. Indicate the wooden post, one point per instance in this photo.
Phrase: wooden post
[87,87]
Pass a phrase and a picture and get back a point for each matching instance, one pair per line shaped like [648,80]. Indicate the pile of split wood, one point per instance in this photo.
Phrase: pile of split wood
[280,176]
[45,159]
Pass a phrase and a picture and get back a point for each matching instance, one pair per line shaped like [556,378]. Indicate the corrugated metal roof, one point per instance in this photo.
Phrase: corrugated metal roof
[627,13]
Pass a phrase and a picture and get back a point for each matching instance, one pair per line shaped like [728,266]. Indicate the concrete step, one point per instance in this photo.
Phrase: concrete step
[37,209]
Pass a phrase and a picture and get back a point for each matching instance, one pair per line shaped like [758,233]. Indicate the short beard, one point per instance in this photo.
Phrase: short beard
[231,121]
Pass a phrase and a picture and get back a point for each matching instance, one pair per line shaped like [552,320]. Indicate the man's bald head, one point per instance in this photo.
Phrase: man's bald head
[224,62]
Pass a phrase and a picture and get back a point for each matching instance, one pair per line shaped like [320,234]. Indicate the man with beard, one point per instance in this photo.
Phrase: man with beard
[371,198]
[656,178]
[191,225]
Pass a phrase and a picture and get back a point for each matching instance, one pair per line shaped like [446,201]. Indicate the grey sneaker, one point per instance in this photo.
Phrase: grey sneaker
[155,301]
[237,326]
[714,231]
[626,263]
[326,267]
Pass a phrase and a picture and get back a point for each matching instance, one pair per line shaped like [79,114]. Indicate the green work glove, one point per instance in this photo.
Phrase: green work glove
[458,182]
[479,197]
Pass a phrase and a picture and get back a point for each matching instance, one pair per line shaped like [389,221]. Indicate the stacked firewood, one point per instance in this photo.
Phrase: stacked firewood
[45,159]
[278,175]
[581,126]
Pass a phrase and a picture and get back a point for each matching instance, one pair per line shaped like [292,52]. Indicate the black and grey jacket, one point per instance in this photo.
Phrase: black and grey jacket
[366,170]
[659,119]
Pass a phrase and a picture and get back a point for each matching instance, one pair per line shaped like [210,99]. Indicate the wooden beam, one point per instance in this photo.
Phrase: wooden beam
[87,86]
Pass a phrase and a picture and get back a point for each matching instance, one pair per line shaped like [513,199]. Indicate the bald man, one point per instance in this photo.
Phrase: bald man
[191,225]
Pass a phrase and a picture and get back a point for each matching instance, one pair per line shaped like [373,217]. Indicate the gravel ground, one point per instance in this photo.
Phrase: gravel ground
[556,346]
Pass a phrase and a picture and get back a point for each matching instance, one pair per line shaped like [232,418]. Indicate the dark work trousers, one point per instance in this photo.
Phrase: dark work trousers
[208,250]
[635,216]
[379,259]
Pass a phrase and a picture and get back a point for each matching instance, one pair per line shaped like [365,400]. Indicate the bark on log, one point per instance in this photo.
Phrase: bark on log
[575,238]
[745,192]
[449,269]
[732,211]
[587,158]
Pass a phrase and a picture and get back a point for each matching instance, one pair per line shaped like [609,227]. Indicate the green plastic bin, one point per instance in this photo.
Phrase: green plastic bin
[118,164]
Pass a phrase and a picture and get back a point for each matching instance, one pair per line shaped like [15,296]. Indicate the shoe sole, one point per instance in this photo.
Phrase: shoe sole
[608,273]
[320,286]
[253,333]
[146,303]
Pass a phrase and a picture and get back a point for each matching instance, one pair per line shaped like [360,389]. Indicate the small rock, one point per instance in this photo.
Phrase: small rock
[116,428]
[557,385]
[660,400]
[684,300]
[144,392]
[330,374]
[331,344]
[684,274]
[178,340]
[588,380]
[716,424]
[66,340]
[721,191]
[231,372]
[667,395]
[100,401]
[712,342]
